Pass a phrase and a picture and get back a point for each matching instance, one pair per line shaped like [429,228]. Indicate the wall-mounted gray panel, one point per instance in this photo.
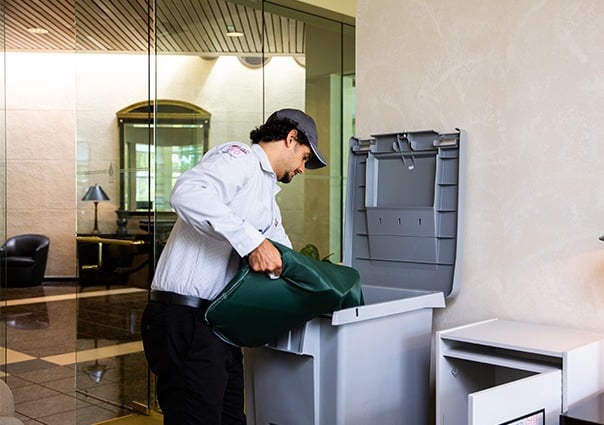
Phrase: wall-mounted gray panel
[403,220]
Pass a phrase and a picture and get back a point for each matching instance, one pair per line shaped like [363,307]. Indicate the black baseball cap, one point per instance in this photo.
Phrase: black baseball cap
[306,125]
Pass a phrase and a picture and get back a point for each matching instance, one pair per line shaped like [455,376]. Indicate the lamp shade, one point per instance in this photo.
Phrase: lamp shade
[95,193]
[96,371]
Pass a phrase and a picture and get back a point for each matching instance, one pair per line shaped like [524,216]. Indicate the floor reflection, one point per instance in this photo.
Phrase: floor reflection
[26,320]
[75,356]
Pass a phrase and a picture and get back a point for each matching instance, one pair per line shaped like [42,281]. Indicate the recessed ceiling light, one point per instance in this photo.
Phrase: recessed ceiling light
[232,32]
[37,30]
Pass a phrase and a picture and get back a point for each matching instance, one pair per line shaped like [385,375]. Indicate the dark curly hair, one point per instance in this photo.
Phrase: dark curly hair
[276,129]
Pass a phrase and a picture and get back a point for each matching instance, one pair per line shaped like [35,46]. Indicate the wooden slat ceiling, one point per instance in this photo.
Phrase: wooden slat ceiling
[177,26]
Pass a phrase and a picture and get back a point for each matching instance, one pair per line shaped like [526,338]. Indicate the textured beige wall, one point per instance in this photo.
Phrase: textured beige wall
[525,80]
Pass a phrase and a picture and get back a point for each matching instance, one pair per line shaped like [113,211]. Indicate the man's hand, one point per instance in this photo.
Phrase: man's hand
[266,258]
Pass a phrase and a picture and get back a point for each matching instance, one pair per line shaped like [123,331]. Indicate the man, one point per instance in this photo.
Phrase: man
[226,211]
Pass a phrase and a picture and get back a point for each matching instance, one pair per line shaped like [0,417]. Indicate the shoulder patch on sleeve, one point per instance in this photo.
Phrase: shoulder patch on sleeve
[235,151]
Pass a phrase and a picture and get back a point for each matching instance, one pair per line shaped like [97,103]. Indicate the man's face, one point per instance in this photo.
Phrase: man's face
[296,160]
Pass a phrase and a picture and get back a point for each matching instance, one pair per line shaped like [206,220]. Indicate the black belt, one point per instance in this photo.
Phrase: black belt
[163,297]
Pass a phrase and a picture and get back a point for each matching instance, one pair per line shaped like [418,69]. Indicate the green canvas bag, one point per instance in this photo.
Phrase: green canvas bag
[254,309]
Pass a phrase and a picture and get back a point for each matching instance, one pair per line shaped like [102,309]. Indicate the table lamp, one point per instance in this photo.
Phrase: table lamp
[95,193]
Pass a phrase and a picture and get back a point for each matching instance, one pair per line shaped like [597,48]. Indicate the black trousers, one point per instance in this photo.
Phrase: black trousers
[199,376]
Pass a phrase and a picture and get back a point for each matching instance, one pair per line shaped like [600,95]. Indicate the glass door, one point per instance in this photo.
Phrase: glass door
[113,251]
[234,62]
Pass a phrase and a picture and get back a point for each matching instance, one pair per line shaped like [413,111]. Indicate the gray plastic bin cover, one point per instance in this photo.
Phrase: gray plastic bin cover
[254,309]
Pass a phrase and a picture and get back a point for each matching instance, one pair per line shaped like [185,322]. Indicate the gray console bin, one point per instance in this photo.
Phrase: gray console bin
[371,364]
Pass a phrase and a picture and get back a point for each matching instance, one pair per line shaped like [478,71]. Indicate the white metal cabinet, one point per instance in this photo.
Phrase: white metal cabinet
[491,372]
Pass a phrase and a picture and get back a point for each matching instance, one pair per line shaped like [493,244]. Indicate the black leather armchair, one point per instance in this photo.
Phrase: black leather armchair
[23,260]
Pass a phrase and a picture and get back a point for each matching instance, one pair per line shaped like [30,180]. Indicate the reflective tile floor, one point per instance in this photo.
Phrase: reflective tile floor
[73,355]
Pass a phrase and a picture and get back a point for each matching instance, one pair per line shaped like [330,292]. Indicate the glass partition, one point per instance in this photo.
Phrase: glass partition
[312,207]
[3,296]
[140,90]
[250,58]
[113,265]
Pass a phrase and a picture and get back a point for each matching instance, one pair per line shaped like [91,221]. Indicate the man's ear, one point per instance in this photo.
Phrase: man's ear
[291,138]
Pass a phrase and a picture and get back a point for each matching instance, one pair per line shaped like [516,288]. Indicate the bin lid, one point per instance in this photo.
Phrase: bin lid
[403,210]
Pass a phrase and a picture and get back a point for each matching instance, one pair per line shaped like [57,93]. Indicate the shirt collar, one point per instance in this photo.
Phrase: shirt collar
[264,162]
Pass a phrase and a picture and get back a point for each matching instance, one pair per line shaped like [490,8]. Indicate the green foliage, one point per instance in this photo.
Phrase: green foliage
[313,252]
